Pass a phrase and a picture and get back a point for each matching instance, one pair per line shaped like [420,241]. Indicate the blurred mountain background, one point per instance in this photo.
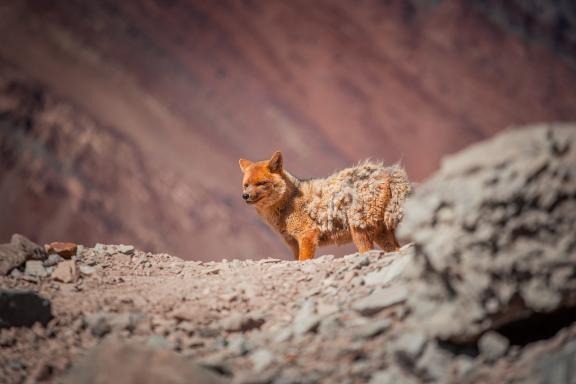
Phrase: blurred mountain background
[123,121]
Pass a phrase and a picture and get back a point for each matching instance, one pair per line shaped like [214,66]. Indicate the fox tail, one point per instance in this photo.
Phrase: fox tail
[400,187]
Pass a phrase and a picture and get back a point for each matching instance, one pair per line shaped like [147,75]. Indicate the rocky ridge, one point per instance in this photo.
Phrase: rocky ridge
[457,305]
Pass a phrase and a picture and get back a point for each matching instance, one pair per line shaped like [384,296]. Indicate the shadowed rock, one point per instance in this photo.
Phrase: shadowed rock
[23,309]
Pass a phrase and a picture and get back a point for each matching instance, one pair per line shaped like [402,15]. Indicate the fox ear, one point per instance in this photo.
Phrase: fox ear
[244,164]
[275,162]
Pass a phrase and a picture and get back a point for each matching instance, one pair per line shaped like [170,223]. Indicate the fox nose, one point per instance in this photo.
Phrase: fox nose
[245,196]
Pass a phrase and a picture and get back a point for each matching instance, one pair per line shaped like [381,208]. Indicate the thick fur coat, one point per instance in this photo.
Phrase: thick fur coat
[362,204]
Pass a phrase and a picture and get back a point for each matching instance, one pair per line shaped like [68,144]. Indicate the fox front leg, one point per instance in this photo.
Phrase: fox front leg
[307,244]
[292,243]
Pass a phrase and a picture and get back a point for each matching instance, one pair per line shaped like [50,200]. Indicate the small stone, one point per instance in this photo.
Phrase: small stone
[306,320]
[237,345]
[9,258]
[160,342]
[241,323]
[98,324]
[23,309]
[379,299]
[389,273]
[126,249]
[283,335]
[186,313]
[35,268]
[362,262]
[434,364]
[261,359]
[391,375]
[65,250]
[66,272]
[29,249]
[372,329]
[52,260]
[101,248]
[348,276]
[122,258]
[86,269]
[409,346]
[101,323]
[16,273]
[325,309]
[493,345]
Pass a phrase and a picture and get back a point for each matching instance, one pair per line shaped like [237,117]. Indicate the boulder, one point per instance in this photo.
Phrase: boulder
[494,234]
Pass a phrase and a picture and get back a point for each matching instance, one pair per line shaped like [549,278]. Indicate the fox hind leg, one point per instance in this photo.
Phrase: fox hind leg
[362,240]
[386,239]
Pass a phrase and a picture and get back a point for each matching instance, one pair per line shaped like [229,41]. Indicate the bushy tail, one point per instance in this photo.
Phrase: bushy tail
[399,188]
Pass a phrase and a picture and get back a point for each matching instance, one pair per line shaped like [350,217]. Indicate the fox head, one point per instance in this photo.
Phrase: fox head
[263,182]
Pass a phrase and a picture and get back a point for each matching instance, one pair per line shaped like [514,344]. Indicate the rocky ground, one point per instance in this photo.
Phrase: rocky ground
[485,293]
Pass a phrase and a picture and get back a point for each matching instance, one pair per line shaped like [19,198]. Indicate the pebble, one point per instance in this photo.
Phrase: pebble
[493,345]
[126,249]
[306,319]
[35,268]
[261,359]
[65,250]
[389,273]
[241,323]
[52,260]
[379,299]
[86,269]
[157,341]
[371,329]
[409,345]
[65,272]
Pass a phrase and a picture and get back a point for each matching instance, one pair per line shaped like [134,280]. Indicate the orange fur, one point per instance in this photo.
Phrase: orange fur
[362,204]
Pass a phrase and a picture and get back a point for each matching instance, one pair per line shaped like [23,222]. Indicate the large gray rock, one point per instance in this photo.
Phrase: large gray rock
[494,233]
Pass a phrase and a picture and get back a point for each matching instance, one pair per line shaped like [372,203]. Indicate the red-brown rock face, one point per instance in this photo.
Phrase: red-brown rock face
[123,121]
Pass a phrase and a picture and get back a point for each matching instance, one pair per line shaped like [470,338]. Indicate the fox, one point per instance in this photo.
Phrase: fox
[362,204]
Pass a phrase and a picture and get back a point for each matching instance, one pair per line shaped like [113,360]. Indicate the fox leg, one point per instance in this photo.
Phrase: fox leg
[307,246]
[293,245]
[362,240]
[386,239]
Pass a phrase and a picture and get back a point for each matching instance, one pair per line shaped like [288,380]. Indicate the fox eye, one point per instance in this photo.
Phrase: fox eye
[245,185]
[261,183]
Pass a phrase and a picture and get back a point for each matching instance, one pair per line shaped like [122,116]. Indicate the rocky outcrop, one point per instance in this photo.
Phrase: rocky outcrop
[494,233]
